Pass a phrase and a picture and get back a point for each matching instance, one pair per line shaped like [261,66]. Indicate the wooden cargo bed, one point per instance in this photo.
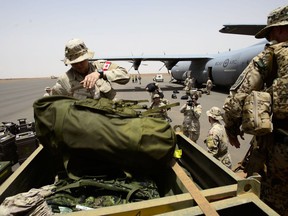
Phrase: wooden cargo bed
[214,187]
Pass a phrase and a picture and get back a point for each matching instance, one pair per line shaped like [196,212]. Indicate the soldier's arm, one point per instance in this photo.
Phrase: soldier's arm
[116,73]
[212,142]
[252,78]
[182,109]
[62,86]
[198,111]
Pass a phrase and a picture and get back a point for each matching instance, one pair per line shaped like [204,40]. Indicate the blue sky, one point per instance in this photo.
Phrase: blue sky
[33,33]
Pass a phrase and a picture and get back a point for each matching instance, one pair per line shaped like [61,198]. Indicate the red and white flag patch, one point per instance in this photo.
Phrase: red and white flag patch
[106,65]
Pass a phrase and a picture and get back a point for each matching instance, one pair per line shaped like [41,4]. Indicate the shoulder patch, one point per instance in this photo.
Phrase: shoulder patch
[240,79]
[106,65]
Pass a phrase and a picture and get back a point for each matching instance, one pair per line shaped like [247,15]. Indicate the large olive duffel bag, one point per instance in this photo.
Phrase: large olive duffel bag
[94,133]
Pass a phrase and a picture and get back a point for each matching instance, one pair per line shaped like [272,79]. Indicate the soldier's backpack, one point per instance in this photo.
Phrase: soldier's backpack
[93,133]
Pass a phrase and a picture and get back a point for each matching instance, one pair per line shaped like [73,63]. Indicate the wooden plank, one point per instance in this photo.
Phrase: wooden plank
[245,204]
[34,172]
[194,191]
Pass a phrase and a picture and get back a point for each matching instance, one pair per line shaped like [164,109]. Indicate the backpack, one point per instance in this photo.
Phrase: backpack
[93,134]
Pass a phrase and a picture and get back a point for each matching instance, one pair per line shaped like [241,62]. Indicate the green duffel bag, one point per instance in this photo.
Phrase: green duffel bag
[96,133]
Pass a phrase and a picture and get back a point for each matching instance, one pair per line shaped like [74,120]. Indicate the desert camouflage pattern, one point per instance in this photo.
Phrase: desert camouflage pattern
[257,119]
[163,112]
[280,97]
[28,203]
[217,144]
[102,88]
[189,84]
[259,74]
[191,123]
[277,17]
[209,85]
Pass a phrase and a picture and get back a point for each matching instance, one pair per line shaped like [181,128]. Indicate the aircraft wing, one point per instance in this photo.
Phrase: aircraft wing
[155,58]
[169,60]
[242,29]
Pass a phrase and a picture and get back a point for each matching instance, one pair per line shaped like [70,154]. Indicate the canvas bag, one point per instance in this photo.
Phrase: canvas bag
[112,133]
[257,118]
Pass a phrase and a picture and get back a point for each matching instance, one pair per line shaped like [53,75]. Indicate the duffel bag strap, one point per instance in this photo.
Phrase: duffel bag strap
[156,110]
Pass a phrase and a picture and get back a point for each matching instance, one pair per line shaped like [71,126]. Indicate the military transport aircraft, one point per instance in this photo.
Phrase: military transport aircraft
[222,68]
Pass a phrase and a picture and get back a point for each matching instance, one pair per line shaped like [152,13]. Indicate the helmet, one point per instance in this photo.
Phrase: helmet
[215,113]
[277,17]
[76,51]
[47,88]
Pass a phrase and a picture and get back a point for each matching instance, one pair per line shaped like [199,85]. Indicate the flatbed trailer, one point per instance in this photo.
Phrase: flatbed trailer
[201,185]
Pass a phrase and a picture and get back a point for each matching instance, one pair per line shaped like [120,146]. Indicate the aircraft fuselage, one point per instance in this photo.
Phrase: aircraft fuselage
[223,68]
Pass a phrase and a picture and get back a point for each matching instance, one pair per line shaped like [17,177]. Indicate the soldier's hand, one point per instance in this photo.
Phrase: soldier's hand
[90,80]
[233,139]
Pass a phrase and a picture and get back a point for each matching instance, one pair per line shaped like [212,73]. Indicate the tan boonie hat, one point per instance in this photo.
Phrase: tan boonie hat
[277,17]
[215,113]
[76,51]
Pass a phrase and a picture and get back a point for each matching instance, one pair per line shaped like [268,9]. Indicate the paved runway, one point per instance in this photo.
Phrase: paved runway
[17,97]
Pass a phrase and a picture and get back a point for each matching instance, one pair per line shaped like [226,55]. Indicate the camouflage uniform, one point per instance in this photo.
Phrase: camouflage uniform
[102,88]
[273,148]
[48,91]
[75,52]
[191,123]
[189,84]
[157,102]
[209,86]
[217,140]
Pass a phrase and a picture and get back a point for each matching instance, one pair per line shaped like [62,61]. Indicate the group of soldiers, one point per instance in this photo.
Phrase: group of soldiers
[216,141]
[136,78]
[94,79]
[190,86]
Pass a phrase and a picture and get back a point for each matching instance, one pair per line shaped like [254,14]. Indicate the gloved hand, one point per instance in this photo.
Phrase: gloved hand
[232,136]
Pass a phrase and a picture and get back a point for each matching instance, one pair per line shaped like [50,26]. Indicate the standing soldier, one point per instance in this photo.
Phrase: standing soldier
[157,102]
[87,79]
[191,125]
[217,140]
[267,69]
[209,86]
[139,79]
[48,92]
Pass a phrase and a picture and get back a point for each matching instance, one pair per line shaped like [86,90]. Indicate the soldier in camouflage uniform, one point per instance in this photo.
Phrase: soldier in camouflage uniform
[191,125]
[88,79]
[273,147]
[217,140]
[157,102]
[209,86]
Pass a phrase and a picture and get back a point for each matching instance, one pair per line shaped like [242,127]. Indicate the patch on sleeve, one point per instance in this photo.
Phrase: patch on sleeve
[241,78]
[106,65]
[210,142]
